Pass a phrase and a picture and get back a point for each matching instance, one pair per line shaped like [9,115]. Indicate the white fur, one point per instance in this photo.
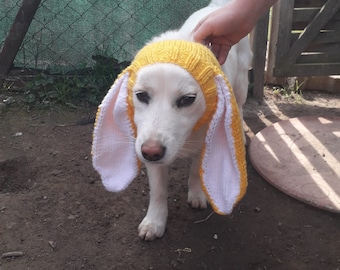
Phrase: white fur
[165,128]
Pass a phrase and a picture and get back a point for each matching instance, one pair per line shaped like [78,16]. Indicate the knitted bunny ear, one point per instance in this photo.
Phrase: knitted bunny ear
[113,152]
[226,183]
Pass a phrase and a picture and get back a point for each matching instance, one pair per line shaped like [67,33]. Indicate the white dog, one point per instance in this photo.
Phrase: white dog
[165,132]
[168,102]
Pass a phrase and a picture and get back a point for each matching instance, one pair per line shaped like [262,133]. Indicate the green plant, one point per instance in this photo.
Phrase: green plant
[292,91]
[84,87]
[6,87]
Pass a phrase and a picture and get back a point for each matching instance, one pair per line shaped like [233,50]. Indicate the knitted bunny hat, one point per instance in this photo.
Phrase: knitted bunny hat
[223,166]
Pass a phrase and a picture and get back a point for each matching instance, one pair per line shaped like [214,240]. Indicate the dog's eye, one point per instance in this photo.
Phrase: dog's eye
[185,101]
[143,97]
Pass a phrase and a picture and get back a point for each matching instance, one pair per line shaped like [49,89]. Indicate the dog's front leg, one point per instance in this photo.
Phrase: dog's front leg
[196,196]
[153,224]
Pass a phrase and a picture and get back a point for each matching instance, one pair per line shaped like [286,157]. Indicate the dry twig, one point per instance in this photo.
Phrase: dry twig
[204,220]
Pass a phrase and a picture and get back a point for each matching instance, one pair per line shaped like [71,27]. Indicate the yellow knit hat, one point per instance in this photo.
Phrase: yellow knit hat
[193,57]
[223,166]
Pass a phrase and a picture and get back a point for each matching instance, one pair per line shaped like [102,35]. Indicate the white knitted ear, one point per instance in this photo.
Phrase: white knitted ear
[113,151]
[221,178]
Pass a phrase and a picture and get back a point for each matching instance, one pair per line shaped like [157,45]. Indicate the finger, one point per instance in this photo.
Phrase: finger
[223,53]
[215,48]
[220,50]
[198,25]
[202,31]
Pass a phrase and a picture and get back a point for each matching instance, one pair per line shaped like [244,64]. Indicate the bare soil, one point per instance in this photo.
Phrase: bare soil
[55,213]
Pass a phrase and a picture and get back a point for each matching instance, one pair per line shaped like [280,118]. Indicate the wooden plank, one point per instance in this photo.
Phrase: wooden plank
[337,16]
[307,14]
[322,38]
[322,69]
[304,14]
[284,29]
[299,26]
[16,35]
[330,48]
[328,37]
[332,25]
[311,31]
[309,3]
[318,58]
[259,46]
[273,41]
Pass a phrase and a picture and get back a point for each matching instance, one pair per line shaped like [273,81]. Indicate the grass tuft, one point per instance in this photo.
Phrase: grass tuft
[80,88]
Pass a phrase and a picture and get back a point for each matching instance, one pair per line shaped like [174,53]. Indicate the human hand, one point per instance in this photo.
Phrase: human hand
[226,26]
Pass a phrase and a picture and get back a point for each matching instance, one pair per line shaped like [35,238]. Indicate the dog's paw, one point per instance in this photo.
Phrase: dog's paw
[150,229]
[197,199]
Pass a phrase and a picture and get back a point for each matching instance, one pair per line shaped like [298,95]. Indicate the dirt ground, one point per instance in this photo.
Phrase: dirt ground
[55,213]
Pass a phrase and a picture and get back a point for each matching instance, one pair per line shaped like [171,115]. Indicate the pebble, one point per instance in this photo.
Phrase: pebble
[17,134]
[52,244]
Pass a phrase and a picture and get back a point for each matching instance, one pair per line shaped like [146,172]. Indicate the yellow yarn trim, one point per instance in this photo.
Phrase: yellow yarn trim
[237,132]
[95,124]
[239,142]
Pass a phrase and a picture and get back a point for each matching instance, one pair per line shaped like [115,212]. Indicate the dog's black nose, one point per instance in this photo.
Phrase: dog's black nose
[153,150]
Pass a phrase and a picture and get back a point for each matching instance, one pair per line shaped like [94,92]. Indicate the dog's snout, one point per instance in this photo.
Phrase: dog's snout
[153,150]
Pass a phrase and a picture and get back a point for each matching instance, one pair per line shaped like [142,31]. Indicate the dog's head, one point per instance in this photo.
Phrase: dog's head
[168,102]
[171,88]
